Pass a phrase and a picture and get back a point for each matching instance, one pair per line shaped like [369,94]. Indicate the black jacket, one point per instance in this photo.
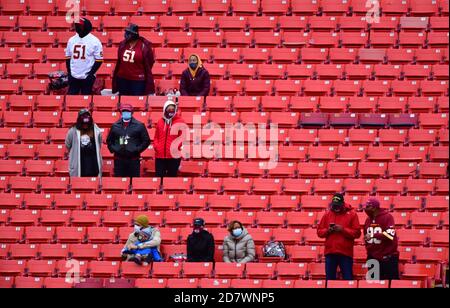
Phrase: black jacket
[138,141]
[200,247]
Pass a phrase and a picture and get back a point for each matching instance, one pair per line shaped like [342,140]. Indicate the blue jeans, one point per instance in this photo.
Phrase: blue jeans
[152,253]
[130,87]
[345,263]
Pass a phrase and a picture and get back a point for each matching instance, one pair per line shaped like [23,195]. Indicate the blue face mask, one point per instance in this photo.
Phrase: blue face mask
[193,65]
[237,232]
[126,116]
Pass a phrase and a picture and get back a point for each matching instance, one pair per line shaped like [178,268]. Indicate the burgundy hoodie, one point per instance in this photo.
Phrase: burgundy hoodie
[384,240]
[340,243]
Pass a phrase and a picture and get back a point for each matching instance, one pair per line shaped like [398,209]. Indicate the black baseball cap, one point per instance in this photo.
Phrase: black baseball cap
[337,200]
[199,222]
[83,112]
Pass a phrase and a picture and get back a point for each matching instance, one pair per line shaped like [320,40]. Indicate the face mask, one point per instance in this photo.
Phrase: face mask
[193,65]
[197,230]
[129,36]
[126,115]
[169,115]
[337,208]
[237,232]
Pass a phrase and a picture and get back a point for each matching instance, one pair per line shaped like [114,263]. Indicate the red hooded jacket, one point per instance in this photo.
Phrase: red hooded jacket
[164,139]
[383,241]
[340,242]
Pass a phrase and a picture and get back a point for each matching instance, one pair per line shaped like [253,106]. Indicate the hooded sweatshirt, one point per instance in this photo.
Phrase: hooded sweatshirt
[340,243]
[163,137]
[384,241]
[200,247]
[195,82]
[239,249]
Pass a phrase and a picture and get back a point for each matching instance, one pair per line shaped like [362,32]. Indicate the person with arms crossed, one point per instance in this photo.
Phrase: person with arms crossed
[84,56]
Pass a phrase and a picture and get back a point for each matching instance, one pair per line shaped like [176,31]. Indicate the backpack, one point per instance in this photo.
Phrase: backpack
[274,249]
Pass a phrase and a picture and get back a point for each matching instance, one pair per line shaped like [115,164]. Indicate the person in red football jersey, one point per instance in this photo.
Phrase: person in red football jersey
[133,72]
[381,239]
[340,227]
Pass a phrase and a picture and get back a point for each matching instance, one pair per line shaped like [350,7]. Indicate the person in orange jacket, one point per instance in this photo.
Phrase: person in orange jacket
[340,227]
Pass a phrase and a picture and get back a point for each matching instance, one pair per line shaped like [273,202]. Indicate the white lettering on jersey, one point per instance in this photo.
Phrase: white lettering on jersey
[371,231]
[83,52]
[128,56]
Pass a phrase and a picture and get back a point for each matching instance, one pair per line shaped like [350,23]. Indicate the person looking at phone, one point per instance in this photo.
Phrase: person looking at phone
[340,227]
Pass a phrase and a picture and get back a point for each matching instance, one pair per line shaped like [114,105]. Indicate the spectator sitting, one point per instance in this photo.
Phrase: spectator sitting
[239,246]
[200,244]
[195,80]
[143,244]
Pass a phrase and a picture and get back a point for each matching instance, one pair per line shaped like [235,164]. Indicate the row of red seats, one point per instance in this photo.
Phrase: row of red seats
[201,185]
[111,219]
[399,88]
[381,164]
[257,202]
[249,55]
[109,269]
[49,119]
[224,7]
[173,237]
[330,148]
[227,103]
[304,136]
[228,23]
[38,282]
[288,39]
[260,71]
[108,252]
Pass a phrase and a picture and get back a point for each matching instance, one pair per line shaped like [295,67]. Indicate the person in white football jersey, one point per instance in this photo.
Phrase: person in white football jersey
[84,56]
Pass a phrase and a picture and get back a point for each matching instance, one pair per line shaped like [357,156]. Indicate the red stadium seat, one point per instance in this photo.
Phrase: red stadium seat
[150,283]
[39,234]
[12,267]
[53,251]
[104,268]
[433,170]
[28,282]
[438,237]
[197,270]
[295,219]
[6,282]
[57,217]
[442,187]
[166,270]
[126,8]
[414,237]
[420,186]
[23,252]
[57,283]
[291,270]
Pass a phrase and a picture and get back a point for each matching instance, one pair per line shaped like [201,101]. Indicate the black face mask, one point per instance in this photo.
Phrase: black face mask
[83,28]
[130,36]
[337,208]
